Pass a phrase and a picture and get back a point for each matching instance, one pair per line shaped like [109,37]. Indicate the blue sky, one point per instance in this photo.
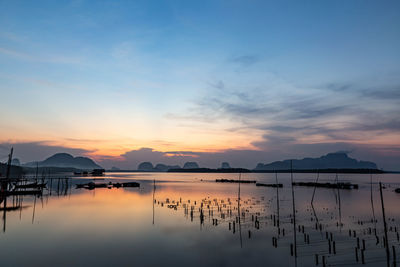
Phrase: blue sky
[279,79]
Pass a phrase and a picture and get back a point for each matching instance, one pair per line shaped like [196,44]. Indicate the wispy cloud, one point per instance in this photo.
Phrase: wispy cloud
[285,117]
[47,58]
[245,60]
[19,55]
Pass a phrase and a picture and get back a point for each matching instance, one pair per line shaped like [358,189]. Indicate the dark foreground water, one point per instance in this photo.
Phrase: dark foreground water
[190,220]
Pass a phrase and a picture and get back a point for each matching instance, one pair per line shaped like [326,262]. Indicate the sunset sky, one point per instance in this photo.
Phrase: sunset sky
[206,81]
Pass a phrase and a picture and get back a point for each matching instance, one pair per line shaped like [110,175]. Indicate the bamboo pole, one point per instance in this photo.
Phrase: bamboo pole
[385,227]
[294,215]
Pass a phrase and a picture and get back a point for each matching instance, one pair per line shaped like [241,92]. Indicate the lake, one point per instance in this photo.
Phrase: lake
[187,219]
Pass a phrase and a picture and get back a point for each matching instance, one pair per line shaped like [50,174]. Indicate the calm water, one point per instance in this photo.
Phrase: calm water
[189,219]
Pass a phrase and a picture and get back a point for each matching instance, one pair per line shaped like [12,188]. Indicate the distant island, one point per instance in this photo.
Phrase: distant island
[208,170]
[338,162]
[332,162]
[65,160]
[57,163]
[148,167]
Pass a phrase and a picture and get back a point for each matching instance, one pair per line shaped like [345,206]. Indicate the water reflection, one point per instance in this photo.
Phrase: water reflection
[199,222]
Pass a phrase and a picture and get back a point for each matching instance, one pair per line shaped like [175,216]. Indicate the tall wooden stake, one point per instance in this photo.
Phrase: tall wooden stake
[277,196]
[385,227]
[240,227]
[9,163]
[372,203]
[154,191]
[340,207]
[294,215]
[315,187]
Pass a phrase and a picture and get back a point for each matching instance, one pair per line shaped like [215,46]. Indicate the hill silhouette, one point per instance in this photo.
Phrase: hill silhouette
[148,166]
[65,160]
[338,160]
[191,165]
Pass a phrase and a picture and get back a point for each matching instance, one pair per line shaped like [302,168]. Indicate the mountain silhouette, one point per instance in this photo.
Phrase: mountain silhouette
[163,168]
[15,162]
[225,165]
[65,160]
[338,160]
[191,165]
[146,166]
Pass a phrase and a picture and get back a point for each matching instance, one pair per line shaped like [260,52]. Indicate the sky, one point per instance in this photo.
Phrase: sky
[208,81]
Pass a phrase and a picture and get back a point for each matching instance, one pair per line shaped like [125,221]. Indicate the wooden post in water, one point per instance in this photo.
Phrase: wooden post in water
[385,227]
[9,163]
[37,171]
[154,191]
[356,252]
[34,208]
[362,257]
[294,215]
[340,207]
[4,188]
[5,214]
[240,228]
[315,187]
[372,203]
[312,200]
[277,196]
[51,185]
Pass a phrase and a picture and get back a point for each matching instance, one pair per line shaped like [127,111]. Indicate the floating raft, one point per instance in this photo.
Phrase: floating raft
[328,185]
[31,185]
[24,192]
[92,185]
[10,208]
[269,185]
[235,181]
[130,184]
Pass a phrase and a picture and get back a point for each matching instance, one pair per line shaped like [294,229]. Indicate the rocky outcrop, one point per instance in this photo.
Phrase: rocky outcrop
[191,165]
[145,166]
[225,165]
[65,160]
[339,160]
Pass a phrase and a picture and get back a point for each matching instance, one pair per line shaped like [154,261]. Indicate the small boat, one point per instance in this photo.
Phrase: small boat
[117,185]
[98,172]
[269,185]
[397,190]
[235,181]
[92,185]
[328,185]
[31,185]
[10,208]
[131,184]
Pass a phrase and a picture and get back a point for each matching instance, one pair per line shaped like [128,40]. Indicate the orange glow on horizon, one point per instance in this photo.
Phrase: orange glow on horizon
[185,143]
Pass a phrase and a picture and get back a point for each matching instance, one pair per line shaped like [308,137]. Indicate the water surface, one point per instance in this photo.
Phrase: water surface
[181,219]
